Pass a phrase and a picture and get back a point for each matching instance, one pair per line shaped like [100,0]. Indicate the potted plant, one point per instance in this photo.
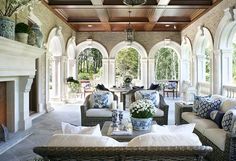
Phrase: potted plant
[7,25]
[142,112]
[127,81]
[73,84]
[22,32]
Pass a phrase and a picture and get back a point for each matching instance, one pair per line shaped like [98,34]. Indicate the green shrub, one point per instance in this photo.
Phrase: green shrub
[85,76]
[22,28]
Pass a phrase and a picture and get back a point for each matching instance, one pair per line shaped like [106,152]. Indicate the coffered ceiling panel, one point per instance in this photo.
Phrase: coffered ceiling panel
[113,15]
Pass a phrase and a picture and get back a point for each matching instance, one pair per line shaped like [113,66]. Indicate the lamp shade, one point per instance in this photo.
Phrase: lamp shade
[134,2]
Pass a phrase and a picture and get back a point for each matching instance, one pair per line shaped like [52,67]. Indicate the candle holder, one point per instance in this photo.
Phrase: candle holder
[114,118]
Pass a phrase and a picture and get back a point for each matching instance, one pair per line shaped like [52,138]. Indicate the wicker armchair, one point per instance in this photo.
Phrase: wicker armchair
[91,121]
[195,153]
[229,154]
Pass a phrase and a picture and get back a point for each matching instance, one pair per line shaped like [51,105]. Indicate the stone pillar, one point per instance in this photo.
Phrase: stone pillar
[62,78]
[151,70]
[105,72]
[201,68]
[56,74]
[112,72]
[144,71]
[25,83]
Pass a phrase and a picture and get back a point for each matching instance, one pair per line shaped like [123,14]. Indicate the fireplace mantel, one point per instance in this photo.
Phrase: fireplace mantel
[17,59]
[17,68]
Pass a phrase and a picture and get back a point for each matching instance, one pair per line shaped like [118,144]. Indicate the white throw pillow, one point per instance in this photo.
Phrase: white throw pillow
[101,99]
[78,140]
[155,139]
[72,129]
[175,129]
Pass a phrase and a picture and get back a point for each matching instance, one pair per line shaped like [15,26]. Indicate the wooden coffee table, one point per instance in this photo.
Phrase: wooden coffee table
[123,138]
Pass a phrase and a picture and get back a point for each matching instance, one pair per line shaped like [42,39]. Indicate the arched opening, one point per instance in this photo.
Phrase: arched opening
[166,64]
[203,49]
[128,65]
[55,75]
[71,62]
[166,48]
[135,46]
[92,56]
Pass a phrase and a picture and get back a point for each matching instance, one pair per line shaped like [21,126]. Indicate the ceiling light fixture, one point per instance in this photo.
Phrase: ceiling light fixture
[134,2]
[129,31]
[167,25]
[90,26]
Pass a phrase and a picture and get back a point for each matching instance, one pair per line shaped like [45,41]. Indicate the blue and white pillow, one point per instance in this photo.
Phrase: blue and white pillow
[206,105]
[101,99]
[197,100]
[152,95]
[228,120]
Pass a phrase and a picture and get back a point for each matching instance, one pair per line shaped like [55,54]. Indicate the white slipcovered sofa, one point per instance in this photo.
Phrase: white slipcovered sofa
[223,142]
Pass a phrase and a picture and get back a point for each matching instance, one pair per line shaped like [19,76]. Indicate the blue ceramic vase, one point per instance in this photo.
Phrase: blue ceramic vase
[141,124]
[38,35]
[7,28]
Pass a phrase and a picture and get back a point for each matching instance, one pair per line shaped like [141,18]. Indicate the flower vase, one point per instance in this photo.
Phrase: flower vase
[38,35]
[7,27]
[141,124]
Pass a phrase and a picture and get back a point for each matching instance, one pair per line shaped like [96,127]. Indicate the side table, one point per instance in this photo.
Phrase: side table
[179,106]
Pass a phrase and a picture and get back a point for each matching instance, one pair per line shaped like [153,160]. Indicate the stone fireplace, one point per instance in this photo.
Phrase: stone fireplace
[17,70]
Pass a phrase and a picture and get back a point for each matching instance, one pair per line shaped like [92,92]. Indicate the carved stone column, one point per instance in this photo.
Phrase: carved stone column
[105,70]
[112,72]
[25,83]
[151,70]
[144,70]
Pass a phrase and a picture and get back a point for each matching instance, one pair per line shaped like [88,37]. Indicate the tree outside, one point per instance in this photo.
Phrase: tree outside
[89,64]
[127,64]
[207,60]
[166,64]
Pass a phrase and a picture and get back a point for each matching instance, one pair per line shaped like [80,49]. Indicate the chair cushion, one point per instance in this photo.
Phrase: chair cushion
[157,139]
[216,136]
[228,120]
[203,124]
[159,113]
[189,116]
[152,95]
[101,99]
[77,140]
[176,129]
[93,112]
[207,105]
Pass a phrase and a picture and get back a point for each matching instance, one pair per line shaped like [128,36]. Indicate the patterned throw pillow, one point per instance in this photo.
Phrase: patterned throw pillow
[152,95]
[197,100]
[228,120]
[207,105]
[101,99]
[217,117]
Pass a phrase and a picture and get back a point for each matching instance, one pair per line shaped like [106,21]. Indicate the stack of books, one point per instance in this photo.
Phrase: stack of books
[120,130]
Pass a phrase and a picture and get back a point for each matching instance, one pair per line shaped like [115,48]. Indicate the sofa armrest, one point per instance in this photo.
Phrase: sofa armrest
[83,109]
[163,106]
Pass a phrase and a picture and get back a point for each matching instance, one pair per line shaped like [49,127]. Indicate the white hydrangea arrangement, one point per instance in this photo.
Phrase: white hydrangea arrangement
[142,108]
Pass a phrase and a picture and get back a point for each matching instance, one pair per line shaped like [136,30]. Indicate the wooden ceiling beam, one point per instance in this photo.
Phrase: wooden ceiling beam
[154,15]
[71,6]
[102,14]
[190,2]
[126,23]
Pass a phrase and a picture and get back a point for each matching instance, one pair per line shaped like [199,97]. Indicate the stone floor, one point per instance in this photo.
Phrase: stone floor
[47,125]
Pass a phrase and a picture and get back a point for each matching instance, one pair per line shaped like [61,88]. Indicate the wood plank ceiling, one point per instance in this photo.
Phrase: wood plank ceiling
[113,15]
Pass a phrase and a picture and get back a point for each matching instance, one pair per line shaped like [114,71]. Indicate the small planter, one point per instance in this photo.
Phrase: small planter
[141,124]
[22,37]
[7,28]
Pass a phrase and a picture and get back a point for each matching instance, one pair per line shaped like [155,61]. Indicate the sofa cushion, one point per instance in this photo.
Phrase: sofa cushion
[68,128]
[159,113]
[189,116]
[77,140]
[101,99]
[93,112]
[157,139]
[203,124]
[217,137]
[228,104]
[197,101]
[229,120]
[152,95]
[207,105]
